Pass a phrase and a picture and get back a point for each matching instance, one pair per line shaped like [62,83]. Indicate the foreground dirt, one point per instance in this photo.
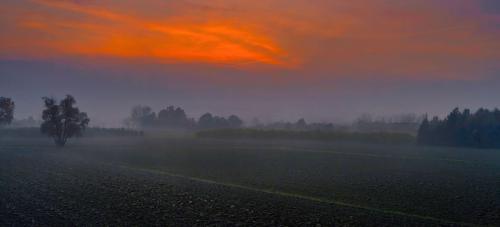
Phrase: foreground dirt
[63,189]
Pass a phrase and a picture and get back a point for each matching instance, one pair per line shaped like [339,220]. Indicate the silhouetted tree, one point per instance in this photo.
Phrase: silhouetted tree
[173,117]
[6,111]
[209,121]
[206,121]
[423,132]
[234,121]
[63,121]
[461,128]
[176,118]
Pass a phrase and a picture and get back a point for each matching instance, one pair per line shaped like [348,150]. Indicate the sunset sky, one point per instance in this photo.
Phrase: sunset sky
[326,60]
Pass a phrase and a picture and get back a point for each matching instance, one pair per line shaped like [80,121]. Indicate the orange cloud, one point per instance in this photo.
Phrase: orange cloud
[110,33]
[375,38]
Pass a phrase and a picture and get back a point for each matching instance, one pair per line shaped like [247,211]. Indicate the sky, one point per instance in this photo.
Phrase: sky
[325,60]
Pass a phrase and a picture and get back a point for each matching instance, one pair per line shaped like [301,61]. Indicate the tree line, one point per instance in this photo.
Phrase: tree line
[176,118]
[402,123]
[480,129]
[325,135]
[299,125]
[62,120]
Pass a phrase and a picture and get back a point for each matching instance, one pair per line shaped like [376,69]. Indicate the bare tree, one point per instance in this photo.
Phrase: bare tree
[63,121]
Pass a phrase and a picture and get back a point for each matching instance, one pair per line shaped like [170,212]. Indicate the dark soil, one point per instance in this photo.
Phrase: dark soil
[61,188]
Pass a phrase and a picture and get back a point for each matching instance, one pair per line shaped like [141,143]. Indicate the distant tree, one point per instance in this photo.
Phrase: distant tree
[365,119]
[209,121]
[301,124]
[206,121]
[63,121]
[234,121]
[7,107]
[406,118]
[142,117]
[29,122]
[423,132]
[174,117]
[220,122]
